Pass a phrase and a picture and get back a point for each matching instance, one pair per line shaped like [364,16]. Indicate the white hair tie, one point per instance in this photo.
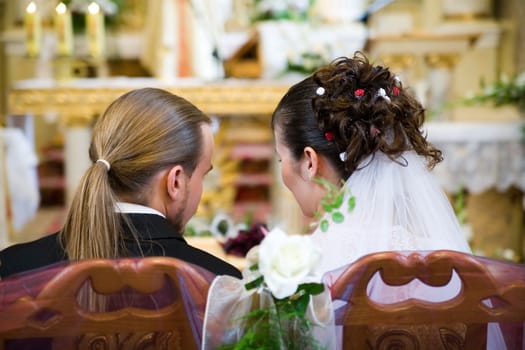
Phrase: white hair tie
[105,162]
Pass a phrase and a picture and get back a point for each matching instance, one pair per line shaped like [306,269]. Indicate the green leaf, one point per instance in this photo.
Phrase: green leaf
[311,288]
[301,304]
[337,217]
[327,207]
[255,283]
[254,267]
[338,200]
[324,225]
[223,227]
[351,203]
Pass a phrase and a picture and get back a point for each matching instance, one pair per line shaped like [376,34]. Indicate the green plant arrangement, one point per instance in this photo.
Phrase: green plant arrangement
[268,10]
[283,284]
[307,62]
[504,91]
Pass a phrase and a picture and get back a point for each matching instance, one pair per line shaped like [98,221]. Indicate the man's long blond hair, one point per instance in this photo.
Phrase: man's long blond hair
[140,133]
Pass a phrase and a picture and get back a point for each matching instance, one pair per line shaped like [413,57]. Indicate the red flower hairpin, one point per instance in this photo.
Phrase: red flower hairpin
[329,136]
[359,93]
[395,91]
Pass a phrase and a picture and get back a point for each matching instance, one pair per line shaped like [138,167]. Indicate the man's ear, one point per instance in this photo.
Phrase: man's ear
[176,182]
[310,164]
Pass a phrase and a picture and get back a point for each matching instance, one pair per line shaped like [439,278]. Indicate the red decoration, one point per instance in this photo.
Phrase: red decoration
[359,93]
[395,90]
[329,136]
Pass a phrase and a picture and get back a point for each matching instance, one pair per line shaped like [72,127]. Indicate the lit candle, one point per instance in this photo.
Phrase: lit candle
[64,30]
[95,30]
[33,30]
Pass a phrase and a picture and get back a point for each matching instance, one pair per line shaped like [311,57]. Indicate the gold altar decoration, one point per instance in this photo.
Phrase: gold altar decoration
[80,100]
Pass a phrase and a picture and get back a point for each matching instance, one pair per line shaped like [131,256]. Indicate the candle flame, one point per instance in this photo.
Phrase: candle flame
[93,8]
[61,8]
[31,8]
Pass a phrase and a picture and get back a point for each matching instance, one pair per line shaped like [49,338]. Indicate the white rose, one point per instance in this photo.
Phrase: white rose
[286,261]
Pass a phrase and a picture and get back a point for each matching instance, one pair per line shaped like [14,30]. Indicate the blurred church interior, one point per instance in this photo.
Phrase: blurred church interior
[63,62]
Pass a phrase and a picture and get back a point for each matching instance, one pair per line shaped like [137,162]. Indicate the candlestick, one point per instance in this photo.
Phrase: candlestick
[64,30]
[33,28]
[95,30]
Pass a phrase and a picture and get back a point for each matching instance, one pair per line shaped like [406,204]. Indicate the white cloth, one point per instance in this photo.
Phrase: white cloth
[133,208]
[479,155]
[21,169]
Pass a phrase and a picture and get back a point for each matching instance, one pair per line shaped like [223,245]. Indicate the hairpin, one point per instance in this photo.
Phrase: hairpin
[320,91]
[359,93]
[342,156]
[328,136]
[382,93]
[395,91]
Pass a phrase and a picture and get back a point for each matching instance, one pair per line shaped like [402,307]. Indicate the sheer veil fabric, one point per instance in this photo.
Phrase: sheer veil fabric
[398,206]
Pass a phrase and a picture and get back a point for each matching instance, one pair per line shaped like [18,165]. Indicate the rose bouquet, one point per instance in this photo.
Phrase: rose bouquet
[280,304]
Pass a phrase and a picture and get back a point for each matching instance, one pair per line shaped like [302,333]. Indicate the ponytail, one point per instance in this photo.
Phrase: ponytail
[90,227]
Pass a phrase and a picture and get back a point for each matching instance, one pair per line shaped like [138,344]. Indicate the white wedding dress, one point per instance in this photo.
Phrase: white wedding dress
[398,206]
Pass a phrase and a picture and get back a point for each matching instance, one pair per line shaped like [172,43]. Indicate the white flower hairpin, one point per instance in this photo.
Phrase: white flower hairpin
[320,91]
[382,93]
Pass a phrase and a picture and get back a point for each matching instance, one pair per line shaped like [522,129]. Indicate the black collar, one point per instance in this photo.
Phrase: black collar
[152,226]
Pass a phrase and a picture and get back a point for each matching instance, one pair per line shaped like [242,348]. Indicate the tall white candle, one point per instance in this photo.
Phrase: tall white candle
[95,30]
[64,30]
[33,29]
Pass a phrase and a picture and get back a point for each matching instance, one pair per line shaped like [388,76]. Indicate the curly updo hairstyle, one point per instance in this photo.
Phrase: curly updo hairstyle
[349,110]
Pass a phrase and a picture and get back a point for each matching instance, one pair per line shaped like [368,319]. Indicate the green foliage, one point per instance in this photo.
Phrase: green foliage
[331,203]
[307,62]
[282,325]
[223,227]
[265,10]
[255,283]
[502,92]
[191,231]
[459,206]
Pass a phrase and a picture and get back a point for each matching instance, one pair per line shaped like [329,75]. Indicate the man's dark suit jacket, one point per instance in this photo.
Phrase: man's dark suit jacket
[157,238]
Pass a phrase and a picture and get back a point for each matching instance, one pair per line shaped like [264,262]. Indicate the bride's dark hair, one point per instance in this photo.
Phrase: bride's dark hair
[353,107]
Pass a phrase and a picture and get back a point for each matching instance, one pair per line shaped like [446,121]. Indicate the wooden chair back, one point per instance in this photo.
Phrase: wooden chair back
[491,291]
[143,303]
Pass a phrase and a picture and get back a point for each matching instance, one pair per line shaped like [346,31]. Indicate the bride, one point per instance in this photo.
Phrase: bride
[355,125]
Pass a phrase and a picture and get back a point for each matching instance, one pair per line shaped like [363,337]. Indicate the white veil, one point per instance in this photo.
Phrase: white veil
[398,206]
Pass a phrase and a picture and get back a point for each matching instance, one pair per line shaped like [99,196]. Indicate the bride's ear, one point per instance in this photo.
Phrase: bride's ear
[310,164]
